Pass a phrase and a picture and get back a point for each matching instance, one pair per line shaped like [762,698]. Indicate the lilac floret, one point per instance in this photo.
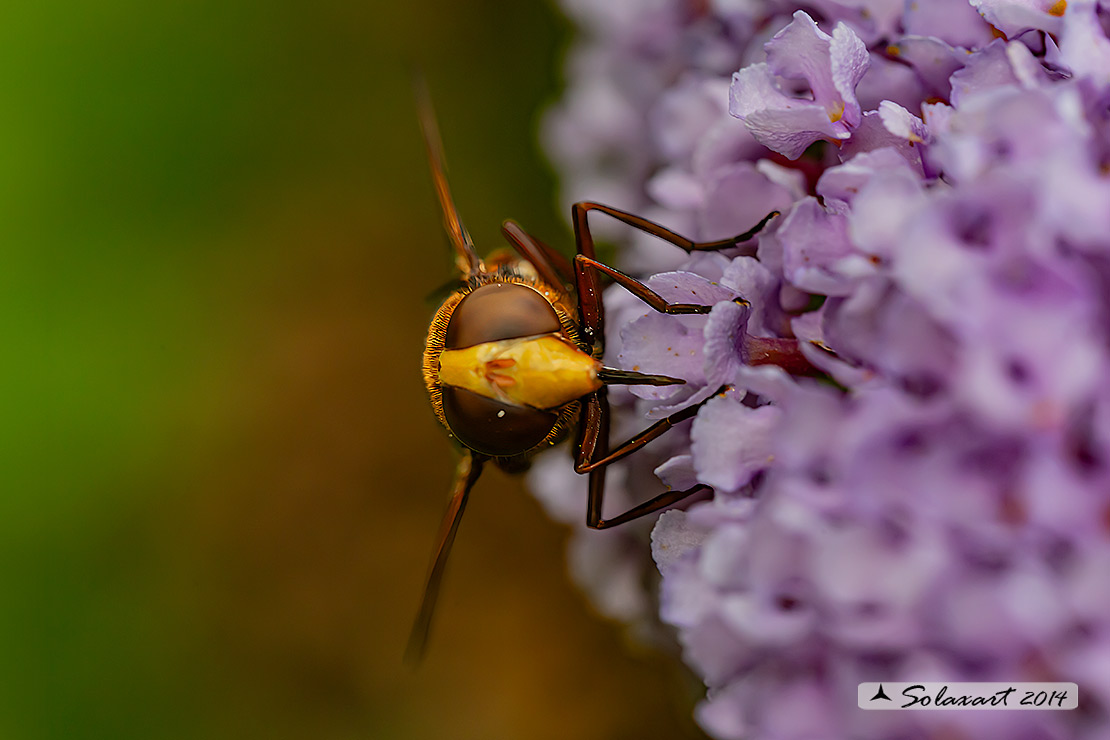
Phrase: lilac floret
[815,249]
[1014,17]
[831,66]
[759,287]
[1084,48]
[669,345]
[932,59]
[873,135]
[663,345]
[725,335]
[731,443]
[999,64]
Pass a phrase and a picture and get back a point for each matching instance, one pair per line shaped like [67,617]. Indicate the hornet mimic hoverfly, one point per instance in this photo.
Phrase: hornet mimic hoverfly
[513,359]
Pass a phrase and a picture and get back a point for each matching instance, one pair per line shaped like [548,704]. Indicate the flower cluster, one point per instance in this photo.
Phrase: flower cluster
[937,505]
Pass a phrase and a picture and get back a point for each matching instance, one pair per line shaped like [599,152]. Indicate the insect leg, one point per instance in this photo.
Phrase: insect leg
[590,310]
[554,268]
[662,501]
[593,448]
[466,475]
[638,289]
[592,456]
[585,242]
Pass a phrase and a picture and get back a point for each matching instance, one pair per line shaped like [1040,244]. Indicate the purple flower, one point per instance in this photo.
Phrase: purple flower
[815,248]
[831,67]
[1014,17]
[731,442]
[1084,50]
[935,504]
[933,59]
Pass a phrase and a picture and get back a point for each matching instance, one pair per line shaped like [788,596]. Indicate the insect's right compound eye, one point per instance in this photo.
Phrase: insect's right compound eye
[494,428]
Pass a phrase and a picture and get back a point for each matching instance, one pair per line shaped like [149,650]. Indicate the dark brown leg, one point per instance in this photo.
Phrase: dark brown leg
[593,429]
[585,241]
[662,501]
[588,457]
[593,439]
[638,289]
[590,310]
[466,474]
[592,455]
[554,268]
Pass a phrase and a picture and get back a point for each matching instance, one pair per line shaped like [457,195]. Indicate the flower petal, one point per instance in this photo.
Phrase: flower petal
[732,442]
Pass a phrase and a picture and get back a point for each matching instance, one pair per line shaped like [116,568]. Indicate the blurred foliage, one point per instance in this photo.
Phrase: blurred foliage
[219,479]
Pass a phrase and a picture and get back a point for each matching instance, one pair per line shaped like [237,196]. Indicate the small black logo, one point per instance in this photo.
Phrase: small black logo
[880,694]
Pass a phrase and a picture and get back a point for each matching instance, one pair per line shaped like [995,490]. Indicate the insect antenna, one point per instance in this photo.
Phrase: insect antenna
[466,475]
[466,259]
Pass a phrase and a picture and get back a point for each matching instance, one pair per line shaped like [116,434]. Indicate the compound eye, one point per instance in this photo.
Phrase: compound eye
[494,428]
[500,311]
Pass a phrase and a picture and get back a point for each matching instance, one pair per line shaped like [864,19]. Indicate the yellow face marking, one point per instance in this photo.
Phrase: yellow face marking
[543,372]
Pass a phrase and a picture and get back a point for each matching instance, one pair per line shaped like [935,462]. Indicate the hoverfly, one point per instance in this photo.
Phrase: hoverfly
[513,359]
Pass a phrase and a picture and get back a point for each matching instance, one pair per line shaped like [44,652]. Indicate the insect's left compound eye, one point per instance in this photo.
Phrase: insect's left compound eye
[494,428]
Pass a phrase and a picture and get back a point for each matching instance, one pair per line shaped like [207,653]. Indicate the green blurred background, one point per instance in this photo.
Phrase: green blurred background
[219,478]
